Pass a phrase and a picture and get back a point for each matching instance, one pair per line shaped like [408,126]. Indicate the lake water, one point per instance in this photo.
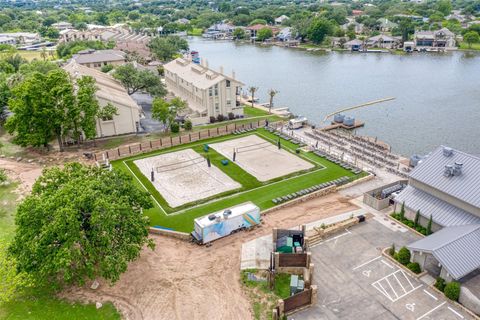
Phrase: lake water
[437,95]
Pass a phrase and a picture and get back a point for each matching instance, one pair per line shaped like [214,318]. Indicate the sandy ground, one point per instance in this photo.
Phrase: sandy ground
[180,280]
[184,176]
[260,158]
[25,173]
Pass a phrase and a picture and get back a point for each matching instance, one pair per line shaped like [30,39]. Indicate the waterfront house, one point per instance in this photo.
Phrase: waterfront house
[383,41]
[444,186]
[386,25]
[208,93]
[219,31]
[437,40]
[252,30]
[354,45]
[280,20]
[7,40]
[111,91]
[408,46]
[98,58]
[357,27]
[62,25]
[285,35]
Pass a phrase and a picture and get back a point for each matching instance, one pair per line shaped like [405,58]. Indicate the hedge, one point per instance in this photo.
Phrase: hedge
[414,267]
[403,256]
[452,290]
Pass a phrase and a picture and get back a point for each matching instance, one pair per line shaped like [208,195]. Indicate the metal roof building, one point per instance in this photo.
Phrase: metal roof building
[456,248]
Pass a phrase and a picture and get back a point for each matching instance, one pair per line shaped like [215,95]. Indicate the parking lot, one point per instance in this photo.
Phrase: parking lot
[356,282]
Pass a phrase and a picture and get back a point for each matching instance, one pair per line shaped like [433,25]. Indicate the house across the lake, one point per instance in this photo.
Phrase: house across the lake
[438,40]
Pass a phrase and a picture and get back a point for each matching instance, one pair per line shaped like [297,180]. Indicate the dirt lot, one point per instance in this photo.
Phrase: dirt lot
[25,173]
[184,281]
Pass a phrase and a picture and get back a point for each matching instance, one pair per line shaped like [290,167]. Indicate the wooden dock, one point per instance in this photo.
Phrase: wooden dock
[335,125]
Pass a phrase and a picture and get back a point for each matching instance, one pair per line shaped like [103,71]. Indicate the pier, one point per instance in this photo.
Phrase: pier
[335,125]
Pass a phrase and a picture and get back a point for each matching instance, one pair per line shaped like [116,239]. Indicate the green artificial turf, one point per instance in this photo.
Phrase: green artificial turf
[261,194]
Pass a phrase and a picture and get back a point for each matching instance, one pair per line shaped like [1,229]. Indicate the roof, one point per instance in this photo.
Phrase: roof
[235,211]
[109,89]
[383,37]
[92,56]
[456,248]
[354,42]
[258,27]
[200,76]
[442,212]
[464,187]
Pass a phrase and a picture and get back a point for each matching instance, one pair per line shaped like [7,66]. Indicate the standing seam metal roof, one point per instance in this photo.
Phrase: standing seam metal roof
[456,248]
[465,187]
[442,212]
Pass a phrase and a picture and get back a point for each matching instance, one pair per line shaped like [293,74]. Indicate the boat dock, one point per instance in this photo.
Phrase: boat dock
[336,125]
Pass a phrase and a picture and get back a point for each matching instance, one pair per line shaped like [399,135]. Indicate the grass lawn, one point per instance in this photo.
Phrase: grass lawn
[30,55]
[464,46]
[282,285]
[37,303]
[195,32]
[181,218]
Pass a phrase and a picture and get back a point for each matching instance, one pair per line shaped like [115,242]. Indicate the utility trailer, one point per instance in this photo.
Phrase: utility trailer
[225,222]
[297,123]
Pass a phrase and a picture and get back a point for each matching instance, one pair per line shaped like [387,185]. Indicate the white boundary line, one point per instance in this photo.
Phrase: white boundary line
[458,314]
[401,285]
[229,196]
[391,287]
[346,233]
[364,264]
[431,295]
[387,264]
[426,314]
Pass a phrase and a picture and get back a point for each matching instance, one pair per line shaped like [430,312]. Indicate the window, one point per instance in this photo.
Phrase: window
[210,91]
[216,106]
[228,83]
[228,102]
[216,89]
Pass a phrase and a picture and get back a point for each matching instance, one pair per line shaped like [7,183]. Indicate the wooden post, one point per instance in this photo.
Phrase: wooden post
[218,131]
[199,137]
[140,145]
[180,139]
[235,124]
[118,149]
[150,144]
[161,144]
[190,137]
[171,141]
[129,149]
[108,157]
[95,156]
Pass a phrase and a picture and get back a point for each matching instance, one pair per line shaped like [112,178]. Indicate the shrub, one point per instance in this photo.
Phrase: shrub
[440,284]
[213,119]
[231,116]
[174,127]
[429,226]
[391,251]
[402,211]
[414,267]
[403,256]
[220,117]
[409,223]
[107,68]
[3,176]
[417,218]
[452,290]
[188,125]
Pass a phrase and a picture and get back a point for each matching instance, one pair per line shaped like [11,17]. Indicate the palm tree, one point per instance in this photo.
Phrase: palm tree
[252,91]
[271,93]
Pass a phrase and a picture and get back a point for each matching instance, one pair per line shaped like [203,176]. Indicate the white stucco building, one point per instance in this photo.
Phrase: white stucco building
[208,93]
[110,91]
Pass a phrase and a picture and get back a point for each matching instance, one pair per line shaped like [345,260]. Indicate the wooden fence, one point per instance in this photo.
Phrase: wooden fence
[166,142]
[292,260]
[298,300]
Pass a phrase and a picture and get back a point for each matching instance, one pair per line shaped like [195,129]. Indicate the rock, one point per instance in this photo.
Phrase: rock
[2,156]
[98,305]
[30,160]
[19,159]
[95,285]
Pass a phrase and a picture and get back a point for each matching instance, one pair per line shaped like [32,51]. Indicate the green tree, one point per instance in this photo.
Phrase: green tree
[471,37]
[12,282]
[238,33]
[444,6]
[135,80]
[264,34]
[319,29]
[88,223]
[417,218]
[452,290]
[3,175]
[402,211]
[188,125]
[258,21]
[252,91]
[403,256]
[272,93]
[166,112]
[107,68]
[429,226]
[86,109]
[165,48]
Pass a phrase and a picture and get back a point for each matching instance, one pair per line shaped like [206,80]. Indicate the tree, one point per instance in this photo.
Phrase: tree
[80,223]
[319,29]
[429,226]
[238,33]
[417,218]
[264,34]
[12,281]
[252,91]
[107,68]
[166,112]
[452,290]
[271,93]
[471,37]
[3,175]
[188,125]
[444,6]
[134,80]
[402,211]
[165,48]
[403,256]
[258,21]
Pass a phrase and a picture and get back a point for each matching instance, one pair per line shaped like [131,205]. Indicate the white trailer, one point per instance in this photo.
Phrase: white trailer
[226,222]
[297,123]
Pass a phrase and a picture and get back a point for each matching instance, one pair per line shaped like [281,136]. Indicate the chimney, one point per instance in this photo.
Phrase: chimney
[457,168]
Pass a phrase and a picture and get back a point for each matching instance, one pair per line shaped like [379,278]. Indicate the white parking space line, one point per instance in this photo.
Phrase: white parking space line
[431,295]
[401,285]
[427,313]
[403,295]
[387,264]
[407,278]
[382,290]
[391,287]
[331,239]
[364,264]
[458,314]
